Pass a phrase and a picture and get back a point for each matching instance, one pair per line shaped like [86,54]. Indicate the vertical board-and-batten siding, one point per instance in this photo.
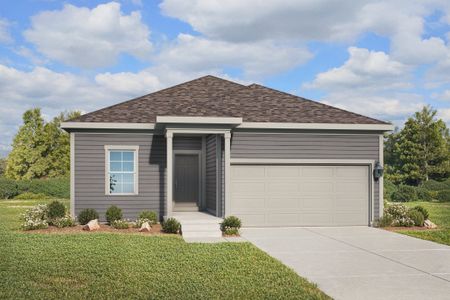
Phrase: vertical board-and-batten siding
[90,173]
[211,175]
[285,145]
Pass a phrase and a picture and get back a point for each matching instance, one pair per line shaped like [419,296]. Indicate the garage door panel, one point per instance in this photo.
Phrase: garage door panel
[321,172]
[283,172]
[299,195]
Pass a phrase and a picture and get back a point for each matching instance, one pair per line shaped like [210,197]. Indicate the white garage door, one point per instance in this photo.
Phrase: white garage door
[293,195]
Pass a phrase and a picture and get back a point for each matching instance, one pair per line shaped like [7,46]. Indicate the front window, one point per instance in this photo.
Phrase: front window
[122,171]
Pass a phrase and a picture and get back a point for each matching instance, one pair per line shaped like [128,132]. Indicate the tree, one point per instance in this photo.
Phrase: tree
[2,166]
[420,151]
[40,149]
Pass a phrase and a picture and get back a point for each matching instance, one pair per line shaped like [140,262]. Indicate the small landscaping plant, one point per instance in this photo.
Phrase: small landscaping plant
[87,215]
[35,217]
[138,223]
[150,216]
[113,213]
[171,225]
[423,210]
[66,221]
[120,224]
[385,221]
[56,210]
[231,225]
[399,215]
[416,216]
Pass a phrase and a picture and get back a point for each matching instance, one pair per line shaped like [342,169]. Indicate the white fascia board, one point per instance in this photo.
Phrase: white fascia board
[101,125]
[198,120]
[324,126]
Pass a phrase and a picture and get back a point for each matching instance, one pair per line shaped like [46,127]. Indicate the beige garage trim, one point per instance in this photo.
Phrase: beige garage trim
[300,195]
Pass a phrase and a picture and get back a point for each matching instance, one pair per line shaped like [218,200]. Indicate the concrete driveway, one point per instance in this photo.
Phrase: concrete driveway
[360,262]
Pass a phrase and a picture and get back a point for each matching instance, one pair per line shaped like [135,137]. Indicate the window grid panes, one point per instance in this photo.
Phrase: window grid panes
[121,172]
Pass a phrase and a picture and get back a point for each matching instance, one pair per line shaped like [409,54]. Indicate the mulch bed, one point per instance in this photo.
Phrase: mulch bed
[155,230]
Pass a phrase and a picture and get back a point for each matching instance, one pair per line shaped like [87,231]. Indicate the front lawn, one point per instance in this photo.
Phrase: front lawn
[114,265]
[440,215]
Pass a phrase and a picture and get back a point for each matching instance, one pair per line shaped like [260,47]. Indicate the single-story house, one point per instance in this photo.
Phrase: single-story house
[212,145]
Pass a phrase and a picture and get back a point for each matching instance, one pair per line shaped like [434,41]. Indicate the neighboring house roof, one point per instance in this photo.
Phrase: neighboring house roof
[210,96]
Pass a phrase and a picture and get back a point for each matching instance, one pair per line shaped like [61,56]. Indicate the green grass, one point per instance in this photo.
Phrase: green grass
[440,215]
[110,265]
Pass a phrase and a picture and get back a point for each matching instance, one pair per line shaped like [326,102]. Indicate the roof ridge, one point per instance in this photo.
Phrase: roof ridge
[156,92]
[315,102]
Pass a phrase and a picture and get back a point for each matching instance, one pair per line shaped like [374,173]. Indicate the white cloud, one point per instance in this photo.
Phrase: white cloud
[128,83]
[371,83]
[195,54]
[5,35]
[89,38]
[444,114]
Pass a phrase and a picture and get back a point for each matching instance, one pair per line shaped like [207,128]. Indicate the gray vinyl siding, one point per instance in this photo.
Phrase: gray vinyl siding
[211,173]
[90,173]
[285,145]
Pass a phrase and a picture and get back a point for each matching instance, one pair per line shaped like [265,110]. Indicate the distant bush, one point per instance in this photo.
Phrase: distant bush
[149,215]
[120,224]
[54,187]
[404,193]
[171,225]
[443,196]
[389,189]
[416,216]
[113,213]
[56,210]
[423,210]
[31,196]
[87,215]
[433,185]
[423,194]
[8,188]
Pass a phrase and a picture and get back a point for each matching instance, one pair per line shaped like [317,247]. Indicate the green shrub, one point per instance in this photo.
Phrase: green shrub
[416,216]
[54,187]
[231,222]
[151,216]
[31,196]
[231,231]
[8,188]
[113,213]
[56,210]
[423,194]
[66,221]
[404,193]
[443,196]
[399,215]
[35,217]
[389,189]
[385,221]
[87,215]
[171,225]
[433,185]
[423,210]
[120,224]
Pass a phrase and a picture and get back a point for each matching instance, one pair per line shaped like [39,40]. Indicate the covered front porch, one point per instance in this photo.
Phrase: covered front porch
[198,178]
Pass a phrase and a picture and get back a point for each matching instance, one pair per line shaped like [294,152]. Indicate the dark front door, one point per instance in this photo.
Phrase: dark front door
[186,178]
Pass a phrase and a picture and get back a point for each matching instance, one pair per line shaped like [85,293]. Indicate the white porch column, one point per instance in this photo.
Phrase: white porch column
[227,136]
[169,179]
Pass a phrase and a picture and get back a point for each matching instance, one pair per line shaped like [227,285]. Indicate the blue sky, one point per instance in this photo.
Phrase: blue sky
[384,59]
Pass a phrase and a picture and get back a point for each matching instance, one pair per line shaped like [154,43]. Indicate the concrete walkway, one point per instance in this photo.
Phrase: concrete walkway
[360,262]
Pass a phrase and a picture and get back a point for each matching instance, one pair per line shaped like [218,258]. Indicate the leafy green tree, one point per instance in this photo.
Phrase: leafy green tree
[421,150]
[2,166]
[40,149]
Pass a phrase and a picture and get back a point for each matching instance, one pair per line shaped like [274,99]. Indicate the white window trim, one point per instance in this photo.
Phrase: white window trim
[136,168]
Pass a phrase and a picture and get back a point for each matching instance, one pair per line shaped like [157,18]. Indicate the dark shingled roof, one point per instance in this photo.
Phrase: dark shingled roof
[210,96]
